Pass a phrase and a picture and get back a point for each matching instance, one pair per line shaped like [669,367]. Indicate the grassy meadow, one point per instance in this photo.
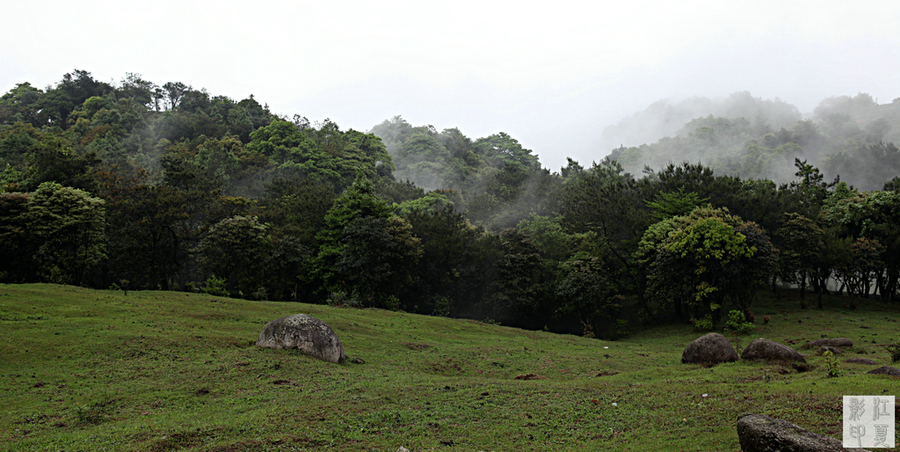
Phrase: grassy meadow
[87,370]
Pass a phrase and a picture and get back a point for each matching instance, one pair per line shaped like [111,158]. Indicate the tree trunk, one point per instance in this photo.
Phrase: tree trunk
[803,290]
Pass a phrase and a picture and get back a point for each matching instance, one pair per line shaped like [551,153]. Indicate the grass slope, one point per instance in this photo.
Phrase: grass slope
[98,370]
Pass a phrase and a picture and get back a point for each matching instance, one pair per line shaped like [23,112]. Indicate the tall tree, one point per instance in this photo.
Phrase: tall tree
[359,228]
[691,261]
[236,249]
[69,224]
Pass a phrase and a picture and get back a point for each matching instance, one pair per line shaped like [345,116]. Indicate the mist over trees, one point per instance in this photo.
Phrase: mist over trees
[759,139]
[165,187]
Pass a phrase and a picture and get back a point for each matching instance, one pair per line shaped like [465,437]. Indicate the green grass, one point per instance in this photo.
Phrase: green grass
[157,371]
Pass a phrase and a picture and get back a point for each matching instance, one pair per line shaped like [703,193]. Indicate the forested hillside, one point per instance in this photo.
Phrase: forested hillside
[850,137]
[142,186]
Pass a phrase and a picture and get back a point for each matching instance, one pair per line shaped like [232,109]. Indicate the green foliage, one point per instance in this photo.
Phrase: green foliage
[894,350]
[422,146]
[832,365]
[667,205]
[738,323]
[605,206]
[525,281]
[623,328]
[216,286]
[433,201]
[692,261]
[325,153]
[548,236]
[584,289]
[343,299]
[703,324]
[364,248]
[455,270]
[52,160]
[236,249]
[178,167]
[504,149]
[69,226]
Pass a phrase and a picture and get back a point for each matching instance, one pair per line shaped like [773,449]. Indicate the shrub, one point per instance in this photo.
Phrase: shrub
[260,293]
[622,328]
[738,323]
[216,286]
[737,345]
[588,330]
[894,350]
[442,306]
[343,299]
[703,324]
[832,364]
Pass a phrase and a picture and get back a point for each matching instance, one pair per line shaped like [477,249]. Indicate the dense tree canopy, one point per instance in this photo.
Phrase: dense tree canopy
[148,186]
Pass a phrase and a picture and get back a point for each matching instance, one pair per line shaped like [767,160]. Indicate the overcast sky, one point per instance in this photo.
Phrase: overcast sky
[551,74]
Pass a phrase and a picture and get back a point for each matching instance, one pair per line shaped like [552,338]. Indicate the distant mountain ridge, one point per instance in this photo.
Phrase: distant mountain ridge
[756,138]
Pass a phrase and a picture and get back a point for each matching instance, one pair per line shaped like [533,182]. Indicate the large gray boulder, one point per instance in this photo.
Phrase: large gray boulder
[305,333]
[885,370]
[712,348]
[766,350]
[759,433]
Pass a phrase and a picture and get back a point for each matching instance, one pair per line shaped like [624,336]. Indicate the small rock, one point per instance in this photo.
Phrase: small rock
[825,348]
[836,342]
[865,361]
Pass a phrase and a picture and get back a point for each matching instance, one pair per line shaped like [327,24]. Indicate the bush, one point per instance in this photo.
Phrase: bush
[216,286]
[442,306]
[622,328]
[894,350]
[738,323]
[260,293]
[704,324]
[832,364]
[342,299]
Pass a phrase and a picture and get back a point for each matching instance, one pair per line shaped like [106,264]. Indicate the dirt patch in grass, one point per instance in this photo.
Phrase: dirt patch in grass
[529,377]
[413,346]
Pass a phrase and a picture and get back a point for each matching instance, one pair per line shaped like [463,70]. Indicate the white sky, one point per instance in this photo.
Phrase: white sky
[551,74]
